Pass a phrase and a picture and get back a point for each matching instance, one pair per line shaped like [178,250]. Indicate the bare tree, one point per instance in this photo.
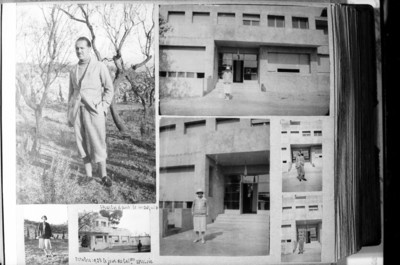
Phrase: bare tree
[47,59]
[118,23]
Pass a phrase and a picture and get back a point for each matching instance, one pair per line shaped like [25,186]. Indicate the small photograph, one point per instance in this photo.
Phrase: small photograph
[85,123]
[301,227]
[301,153]
[114,231]
[244,60]
[214,187]
[46,234]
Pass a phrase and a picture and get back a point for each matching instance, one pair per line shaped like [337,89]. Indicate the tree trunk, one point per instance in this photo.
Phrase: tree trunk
[117,119]
[38,117]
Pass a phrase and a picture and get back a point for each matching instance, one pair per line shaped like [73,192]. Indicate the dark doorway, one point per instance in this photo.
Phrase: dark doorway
[237,71]
[249,198]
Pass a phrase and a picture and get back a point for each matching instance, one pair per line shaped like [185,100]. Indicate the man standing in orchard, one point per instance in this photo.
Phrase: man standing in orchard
[90,94]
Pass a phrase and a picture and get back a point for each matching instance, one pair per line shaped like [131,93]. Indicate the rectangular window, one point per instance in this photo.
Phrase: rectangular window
[161,204]
[295,122]
[284,132]
[171,74]
[317,133]
[201,17]
[99,239]
[280,70]
[288,62]
[176,17]
[259,122]
[103,224]
[200,75]
[300,197]
[167,128]
[283,148]
[181,74]
[322,25]
[168,205]
[195,126]
[124,239]
[189,204]
[284,161]
[178,205]
[286,226]
[163,73]
[115,239]
[226,18]
[276,21]
[294,132]
[251,19]
[300,207]
[189,75]
[306,133]
[300,22]
[226,123]
[313,208]
[287,208]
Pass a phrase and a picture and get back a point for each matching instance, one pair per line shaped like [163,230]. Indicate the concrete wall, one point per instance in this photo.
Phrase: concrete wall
[212,35]
[236,31]
[216,202]
[293,83]
[179,148]
[182,87]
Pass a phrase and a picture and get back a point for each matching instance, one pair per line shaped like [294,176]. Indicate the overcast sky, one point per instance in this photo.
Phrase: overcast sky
[137,221]
[29,14]
[56,214]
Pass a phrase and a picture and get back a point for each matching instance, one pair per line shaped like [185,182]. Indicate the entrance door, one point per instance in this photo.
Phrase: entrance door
[249,197]
[237,71]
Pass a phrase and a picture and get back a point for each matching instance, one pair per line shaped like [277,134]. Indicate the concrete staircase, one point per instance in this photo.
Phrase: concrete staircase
[238,89]
[248,221]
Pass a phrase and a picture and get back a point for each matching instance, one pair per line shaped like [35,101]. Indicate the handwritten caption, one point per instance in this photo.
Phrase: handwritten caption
[128,207]
[109,261]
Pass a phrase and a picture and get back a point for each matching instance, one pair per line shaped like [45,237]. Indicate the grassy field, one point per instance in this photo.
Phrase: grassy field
[53,175]
[35,255]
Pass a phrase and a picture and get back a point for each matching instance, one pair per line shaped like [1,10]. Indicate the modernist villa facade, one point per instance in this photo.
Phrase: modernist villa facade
[304,136]
[101,235]
[270,48]
[301,216]
[227,158]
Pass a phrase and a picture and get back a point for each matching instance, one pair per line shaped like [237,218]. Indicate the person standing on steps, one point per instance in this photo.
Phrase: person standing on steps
[90,94]
[227,79]
[139,246]
[200,213]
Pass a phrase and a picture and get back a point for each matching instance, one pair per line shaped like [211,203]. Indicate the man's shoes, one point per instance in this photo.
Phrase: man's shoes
[106,181]
[304,179]
[196,240]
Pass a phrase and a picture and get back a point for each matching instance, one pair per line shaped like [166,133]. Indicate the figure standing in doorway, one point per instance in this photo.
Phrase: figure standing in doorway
[200,213]
[227,78]
[301,245]
[300,166]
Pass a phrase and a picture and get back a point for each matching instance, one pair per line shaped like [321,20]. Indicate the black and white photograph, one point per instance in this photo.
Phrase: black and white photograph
[85,103]
[114,231]
[301,227]
[46,234]
[214,187]
[301,153]
[244,60]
